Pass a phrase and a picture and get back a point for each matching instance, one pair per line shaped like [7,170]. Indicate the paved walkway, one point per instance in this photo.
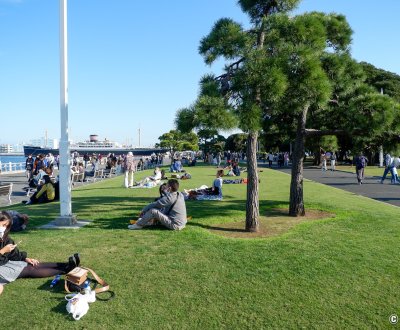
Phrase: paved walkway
[371,188]
[19,181]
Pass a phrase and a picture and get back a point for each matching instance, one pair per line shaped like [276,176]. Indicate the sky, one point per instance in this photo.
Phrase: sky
[132,64]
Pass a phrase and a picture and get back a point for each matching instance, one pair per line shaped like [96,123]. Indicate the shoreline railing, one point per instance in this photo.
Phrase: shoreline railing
[9,167]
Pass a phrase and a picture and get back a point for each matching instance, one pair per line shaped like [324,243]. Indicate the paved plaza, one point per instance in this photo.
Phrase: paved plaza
[370,188]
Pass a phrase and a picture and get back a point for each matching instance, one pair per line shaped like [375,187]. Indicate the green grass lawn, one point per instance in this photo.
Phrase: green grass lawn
[338,273]
[369,170]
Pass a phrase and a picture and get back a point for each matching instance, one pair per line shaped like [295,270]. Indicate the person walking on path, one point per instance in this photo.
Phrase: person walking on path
[395,164]
[361,162]
[388,167]
[270,159]
[323,160]
[29,167]
[333,161]
[129,167]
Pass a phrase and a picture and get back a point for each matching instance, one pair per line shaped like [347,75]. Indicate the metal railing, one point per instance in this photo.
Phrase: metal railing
[9,167]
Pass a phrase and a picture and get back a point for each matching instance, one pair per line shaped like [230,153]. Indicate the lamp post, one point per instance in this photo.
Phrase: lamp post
[381,147]
[66,217]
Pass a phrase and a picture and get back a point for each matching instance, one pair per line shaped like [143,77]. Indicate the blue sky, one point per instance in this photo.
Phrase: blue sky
[134,63]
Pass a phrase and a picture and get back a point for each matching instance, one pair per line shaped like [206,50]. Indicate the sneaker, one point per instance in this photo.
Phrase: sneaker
[77,259]
[28,202]
[135,227]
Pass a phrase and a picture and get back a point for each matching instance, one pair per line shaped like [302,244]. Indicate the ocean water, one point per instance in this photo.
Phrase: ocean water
[12,159]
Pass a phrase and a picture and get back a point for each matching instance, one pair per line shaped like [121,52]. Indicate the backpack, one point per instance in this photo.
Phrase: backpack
[361,162]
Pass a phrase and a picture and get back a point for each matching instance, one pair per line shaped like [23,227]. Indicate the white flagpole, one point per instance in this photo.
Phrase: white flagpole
[66,217]
[381,147]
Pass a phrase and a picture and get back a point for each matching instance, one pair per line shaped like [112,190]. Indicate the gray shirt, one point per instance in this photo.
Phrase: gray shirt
[177,214]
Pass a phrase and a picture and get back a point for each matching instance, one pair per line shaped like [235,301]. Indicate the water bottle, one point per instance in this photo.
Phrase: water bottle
[86,287]
[55,281]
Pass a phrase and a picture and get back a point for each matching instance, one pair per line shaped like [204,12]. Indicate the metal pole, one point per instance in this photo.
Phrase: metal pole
[66,217]
[381,147]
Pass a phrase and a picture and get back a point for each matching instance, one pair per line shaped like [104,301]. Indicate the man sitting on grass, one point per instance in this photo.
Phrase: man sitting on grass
[169,211]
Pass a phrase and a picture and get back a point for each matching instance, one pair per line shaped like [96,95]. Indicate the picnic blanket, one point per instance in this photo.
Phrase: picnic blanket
[150,184]
[209,198]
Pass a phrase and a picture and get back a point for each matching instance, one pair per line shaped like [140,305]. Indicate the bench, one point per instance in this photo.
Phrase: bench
[6,190]
[78,177]
[98,174]
[112,172]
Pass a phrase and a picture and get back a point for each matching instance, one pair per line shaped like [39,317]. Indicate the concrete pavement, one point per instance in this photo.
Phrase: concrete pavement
[370,188]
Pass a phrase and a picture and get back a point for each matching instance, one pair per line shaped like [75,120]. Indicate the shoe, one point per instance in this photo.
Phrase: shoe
[135,227]
[28,202]
[77,259]
[71,264]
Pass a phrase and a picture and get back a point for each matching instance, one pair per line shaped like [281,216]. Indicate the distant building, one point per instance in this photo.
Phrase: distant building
[19,147]
[45,143]
[6,148]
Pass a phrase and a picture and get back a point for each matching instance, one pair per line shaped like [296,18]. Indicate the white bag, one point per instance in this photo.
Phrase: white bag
[78,304]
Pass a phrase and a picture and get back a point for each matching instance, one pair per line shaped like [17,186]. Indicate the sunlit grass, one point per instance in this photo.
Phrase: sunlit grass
[336,272]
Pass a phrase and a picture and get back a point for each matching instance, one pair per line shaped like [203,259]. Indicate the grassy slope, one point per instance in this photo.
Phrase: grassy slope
[333,273]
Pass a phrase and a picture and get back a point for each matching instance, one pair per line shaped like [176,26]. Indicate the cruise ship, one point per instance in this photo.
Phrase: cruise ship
[94,146]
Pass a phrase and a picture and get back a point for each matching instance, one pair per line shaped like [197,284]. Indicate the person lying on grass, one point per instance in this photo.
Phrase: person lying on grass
[156,178]
[15,264]
[215,190]
[19,220]
[169,210]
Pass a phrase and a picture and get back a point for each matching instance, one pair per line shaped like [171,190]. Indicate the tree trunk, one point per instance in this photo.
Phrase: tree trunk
[296,206]
[252,203]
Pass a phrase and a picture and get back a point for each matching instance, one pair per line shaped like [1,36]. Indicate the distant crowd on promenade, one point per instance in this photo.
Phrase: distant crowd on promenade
[41,177]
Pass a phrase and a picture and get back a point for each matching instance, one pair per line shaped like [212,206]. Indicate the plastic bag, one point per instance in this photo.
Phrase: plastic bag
[78,304]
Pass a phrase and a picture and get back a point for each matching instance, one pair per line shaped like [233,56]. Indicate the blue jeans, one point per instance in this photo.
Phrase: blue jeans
[387,169]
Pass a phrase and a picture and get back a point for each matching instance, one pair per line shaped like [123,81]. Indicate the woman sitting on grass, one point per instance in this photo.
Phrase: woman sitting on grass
[202,193]
[46,193]
[15,264]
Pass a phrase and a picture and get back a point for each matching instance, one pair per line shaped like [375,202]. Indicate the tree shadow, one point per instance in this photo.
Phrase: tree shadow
[269,208]
[197,224]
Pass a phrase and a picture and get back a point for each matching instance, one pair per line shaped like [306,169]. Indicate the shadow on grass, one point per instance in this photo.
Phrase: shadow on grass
[274,222]
[272,208]
[197,224]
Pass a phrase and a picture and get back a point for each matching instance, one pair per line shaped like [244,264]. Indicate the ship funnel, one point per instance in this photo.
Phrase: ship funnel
[94,138]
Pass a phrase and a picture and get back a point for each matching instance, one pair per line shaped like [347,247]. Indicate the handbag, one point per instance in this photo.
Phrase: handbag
[75,280]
